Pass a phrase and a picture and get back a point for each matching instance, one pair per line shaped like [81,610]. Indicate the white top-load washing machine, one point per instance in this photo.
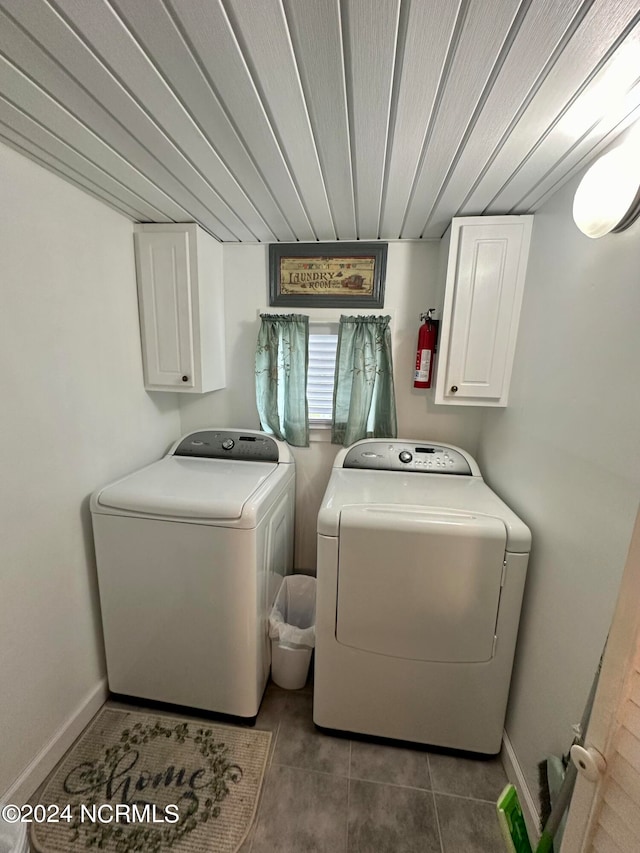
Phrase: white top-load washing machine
[421,571]
[191,551]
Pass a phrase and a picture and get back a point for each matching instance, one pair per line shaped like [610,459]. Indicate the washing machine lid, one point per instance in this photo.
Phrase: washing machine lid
[186,487]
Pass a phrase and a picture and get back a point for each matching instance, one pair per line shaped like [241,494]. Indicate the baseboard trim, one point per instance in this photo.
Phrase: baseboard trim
[517,778]
[39,768]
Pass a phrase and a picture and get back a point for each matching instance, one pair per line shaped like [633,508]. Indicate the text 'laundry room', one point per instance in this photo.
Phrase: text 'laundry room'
[320,470]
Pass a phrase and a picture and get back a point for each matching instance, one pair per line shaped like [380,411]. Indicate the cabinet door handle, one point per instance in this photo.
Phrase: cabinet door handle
[186,379]
[454,388]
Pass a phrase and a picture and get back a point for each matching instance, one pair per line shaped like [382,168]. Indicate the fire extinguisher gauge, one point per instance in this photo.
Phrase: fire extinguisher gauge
[428,315]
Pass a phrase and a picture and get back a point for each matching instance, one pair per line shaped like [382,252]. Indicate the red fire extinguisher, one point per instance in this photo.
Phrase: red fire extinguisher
[427,348]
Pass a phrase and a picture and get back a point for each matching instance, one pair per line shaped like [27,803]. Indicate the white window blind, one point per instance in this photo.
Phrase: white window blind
[323,342]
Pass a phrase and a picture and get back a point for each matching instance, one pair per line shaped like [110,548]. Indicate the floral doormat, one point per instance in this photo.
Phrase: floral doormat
[140,782]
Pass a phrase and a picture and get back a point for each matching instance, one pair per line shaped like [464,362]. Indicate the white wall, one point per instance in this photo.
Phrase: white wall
[412,286]
[565,454]
[75,415]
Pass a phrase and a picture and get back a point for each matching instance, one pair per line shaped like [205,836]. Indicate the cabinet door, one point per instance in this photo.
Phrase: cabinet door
[165,307]
[485,278]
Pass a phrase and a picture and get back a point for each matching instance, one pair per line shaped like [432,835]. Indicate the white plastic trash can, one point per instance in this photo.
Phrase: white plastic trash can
[292,630]
[13,836]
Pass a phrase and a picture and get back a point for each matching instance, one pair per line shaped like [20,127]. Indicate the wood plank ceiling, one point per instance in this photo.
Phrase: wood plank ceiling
[283,120]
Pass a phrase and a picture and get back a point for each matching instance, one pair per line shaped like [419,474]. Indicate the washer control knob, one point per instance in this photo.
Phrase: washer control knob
[228,444]
[405,456]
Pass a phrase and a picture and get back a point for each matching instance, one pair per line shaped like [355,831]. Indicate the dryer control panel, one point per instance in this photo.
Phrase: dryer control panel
[229,444]
[393,455]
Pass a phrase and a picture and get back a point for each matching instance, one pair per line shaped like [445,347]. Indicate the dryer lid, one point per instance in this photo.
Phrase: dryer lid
[419,585]
[429,492]
[188,488]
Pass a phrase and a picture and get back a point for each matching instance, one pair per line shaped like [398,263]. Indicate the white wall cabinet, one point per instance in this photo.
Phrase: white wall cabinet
[486,262]
[181,297]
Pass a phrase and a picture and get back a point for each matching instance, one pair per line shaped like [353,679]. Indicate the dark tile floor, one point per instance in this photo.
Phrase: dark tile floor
[324,793]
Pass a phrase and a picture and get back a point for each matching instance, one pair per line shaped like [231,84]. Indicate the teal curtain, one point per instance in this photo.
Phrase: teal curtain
[282,357]
[364,404]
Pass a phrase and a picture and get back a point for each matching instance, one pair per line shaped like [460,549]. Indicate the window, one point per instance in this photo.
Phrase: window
[323,343]
[351,362]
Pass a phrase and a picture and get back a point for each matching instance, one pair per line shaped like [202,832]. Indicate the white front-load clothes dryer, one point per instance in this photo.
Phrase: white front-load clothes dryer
[421,572]
[191,551]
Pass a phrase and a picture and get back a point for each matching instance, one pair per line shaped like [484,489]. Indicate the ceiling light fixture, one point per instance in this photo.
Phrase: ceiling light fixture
[608,196]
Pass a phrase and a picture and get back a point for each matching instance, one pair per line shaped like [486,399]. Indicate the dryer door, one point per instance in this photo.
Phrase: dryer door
[419,584]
